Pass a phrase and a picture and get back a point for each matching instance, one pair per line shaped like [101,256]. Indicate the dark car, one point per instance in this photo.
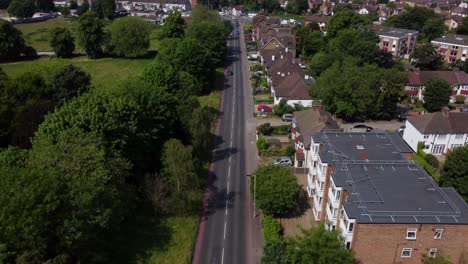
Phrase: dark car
[367,128]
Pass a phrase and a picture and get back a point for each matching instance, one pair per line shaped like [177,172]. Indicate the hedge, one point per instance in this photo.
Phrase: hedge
[271,229]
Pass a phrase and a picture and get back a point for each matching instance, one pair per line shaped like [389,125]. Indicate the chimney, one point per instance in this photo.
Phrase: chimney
[287,49]
[281,56]
[273,57]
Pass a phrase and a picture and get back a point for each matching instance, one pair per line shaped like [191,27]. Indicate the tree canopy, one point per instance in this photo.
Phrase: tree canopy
[91,34]
[276,190]
[12,43]
[345,19]
[129,37]
[426,57]
[21,8]
[174,26]
[62,42]
[455,171]
[436,94]
[70,82]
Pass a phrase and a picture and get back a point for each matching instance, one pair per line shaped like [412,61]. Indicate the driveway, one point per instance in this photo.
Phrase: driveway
[273,120]
[391,126]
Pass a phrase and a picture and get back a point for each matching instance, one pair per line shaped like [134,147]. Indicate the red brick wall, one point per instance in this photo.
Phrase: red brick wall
[383,243]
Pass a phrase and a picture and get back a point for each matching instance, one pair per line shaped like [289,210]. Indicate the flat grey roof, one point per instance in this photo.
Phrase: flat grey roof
[397,193]
[453,39]
[396,32]
[382,185]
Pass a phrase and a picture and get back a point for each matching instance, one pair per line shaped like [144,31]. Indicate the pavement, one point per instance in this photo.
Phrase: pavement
[228,233]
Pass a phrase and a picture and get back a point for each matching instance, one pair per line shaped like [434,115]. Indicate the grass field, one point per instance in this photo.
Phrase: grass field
[37,35]
[104,72]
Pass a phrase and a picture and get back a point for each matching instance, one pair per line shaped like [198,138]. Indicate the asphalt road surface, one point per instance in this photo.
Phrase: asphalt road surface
[224,231]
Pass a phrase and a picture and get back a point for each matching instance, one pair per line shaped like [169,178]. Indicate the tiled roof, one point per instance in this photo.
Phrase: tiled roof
[453,77]
[283,66]
[311,121]
[293,87]
[441,123]
[315,19]
[268,54]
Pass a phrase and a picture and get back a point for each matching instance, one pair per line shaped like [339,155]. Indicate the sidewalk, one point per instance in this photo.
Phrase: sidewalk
[251,150]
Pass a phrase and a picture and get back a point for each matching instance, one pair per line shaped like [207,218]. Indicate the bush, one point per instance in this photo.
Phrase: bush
[262,144]
[420,151]
[289,151]
[280,130]
[283,108]
[460,99]
[432,160]
[271,229]
[271,151]
[423,163]
[277,191]
[264,100]
[265,129]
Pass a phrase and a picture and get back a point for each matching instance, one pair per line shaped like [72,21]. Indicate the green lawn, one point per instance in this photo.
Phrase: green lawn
[37,35]
[105,72]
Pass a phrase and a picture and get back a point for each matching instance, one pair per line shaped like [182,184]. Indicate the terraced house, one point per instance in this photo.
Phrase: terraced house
[387,208]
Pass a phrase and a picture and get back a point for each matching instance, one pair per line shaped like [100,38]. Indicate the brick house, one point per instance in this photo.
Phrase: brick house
[304,124]
[452,47]
[440,131]
[293,89]
[386,207]
[417,79]
[400,42]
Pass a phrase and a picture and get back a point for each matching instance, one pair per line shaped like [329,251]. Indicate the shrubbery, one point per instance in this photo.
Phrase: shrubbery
[265,129]
[432,160]
[460,99]
[271,229]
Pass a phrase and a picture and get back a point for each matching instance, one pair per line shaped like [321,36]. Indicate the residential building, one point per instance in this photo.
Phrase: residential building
[416,80]
[320,21]
[453,22]
[452,47]
[459,11]
[400,42]
[137,6]
[291,88]
[439,132]
[386,207]
[305,123]
[238,10]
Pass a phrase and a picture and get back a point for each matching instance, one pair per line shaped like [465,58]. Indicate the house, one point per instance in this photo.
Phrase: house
[135,6]
[452,47]
[304,124]
[283,40]
[459,11]
[453,22]
[438,131]
[320,21]
[314,5]
[400,42]
[385,206]
[416,80]
[282,67]
[326,9]
[367,9]
[278,53]
[293,89]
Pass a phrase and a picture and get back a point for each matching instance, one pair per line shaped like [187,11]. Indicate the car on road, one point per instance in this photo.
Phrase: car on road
[367,128]
[287,117]
[264,107]
[283,161]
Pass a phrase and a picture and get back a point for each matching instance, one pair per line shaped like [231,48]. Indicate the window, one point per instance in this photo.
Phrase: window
[432,252]
[406,252]
[458,136]
[411,233]
[438,233]
[427,146]
[320,201]
[348,245]
[426,136]
[338,195]
[333,227]
[456,146]
[441,136]
[350,227]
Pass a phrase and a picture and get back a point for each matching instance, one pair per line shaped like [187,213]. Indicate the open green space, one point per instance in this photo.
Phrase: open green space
[104,72]
[37,35]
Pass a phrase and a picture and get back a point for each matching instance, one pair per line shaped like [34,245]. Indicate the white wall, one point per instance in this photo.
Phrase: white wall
[412,136]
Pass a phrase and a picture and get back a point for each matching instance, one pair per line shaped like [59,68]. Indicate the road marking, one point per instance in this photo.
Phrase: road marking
[224,236]
[222,257]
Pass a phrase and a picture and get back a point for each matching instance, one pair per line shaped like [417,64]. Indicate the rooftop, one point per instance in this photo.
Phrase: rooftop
[453,39]
[311,121]
[382,185]
[395,32]
[453,77]
[293,87]
[441,123]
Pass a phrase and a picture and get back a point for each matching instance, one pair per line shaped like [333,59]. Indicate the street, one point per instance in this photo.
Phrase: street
[224,234]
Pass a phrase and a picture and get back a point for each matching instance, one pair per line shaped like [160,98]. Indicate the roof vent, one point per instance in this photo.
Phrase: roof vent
[359,146]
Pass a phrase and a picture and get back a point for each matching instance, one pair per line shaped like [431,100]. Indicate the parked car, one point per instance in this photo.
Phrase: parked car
[367,128]
[287,117]
[264,107]
[464,108]
[284,161]
[401,130]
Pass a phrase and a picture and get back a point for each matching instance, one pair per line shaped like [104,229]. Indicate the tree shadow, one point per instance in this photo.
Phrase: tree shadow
[302,205]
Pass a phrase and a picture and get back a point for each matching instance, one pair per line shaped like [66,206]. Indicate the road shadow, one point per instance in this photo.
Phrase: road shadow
[225,153]
[218,200]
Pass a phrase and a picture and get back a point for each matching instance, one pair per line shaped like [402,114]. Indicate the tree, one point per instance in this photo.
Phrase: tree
[62,42]
[21,8]
[129,37]
[463,28]
[200,131]
[437,94]
[73,4]
[4,4]
[216,32]
[426,57]
[69,198]
[344,19]
[276,190]
[91,34]
[45,5]
[438,259]
[455,171]
[174,26]
[83,8]
[433,28]
[309,40]
[320,62]
[12,44]
[179,173]
[108,8]
[70,82]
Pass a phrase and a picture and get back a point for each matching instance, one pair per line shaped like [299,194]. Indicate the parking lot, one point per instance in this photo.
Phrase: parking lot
[391,125]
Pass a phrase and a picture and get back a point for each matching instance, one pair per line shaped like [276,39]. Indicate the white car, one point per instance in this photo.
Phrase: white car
[284,161]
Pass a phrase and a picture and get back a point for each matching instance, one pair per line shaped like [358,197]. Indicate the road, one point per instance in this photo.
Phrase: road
[224,234]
